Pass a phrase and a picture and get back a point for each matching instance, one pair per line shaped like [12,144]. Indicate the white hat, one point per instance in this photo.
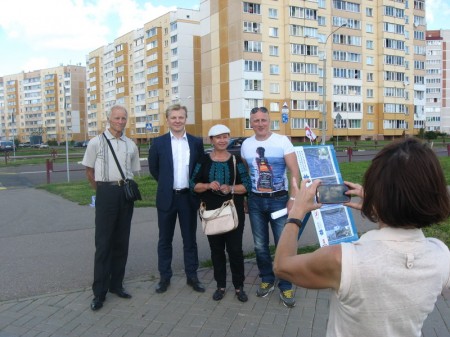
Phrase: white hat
[218,130]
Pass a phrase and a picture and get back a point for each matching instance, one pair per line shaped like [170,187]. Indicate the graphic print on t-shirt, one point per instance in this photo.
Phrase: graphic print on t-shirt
[265,178]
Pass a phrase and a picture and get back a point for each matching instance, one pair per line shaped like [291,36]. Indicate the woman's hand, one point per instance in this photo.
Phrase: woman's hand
[305,198]
[354,190]
[214,186]
[225,189]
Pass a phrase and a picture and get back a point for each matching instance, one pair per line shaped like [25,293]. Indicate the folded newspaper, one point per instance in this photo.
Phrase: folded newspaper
[334,222]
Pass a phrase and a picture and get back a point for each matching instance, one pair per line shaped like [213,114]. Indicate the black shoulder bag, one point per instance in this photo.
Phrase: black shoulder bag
[130,187]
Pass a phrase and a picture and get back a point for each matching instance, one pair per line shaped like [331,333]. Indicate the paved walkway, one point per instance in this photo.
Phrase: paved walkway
[35,242]
[182,312]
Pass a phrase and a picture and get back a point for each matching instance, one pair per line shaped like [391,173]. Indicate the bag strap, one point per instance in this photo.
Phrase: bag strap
[216,213]
[235,174]
[115,157]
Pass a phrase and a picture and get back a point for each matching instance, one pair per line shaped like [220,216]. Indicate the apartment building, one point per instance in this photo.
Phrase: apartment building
[146,70]
[355,67]
[48,103]
[437,107]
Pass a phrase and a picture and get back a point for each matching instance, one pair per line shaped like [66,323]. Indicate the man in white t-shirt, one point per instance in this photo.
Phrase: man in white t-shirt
[268,155]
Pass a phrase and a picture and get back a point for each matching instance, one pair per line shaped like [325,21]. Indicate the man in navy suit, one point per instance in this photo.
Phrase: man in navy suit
[171,160]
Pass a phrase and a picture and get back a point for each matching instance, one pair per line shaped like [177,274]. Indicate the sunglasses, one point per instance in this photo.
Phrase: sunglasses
[255,110]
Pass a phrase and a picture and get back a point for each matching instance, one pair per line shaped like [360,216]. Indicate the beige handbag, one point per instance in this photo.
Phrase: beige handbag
[220,220]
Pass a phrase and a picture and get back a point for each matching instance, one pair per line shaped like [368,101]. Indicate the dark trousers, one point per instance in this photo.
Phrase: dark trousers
[113,215]
[187,217]
[232,241]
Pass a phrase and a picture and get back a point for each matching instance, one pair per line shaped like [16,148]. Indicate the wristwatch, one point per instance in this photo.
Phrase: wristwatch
[298,222]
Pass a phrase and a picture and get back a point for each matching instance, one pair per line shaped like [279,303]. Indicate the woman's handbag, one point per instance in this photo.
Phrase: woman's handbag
[130,187]
[220,220]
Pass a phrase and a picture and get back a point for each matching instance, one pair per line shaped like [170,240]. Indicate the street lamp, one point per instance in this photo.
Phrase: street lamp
[324,85]
[65,135]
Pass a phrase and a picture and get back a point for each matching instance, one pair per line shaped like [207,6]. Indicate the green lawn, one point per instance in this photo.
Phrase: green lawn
[81,192]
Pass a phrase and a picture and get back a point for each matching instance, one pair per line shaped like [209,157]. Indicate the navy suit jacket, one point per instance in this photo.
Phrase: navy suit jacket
[160,163]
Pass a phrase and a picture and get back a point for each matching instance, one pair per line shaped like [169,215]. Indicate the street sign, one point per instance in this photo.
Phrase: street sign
[284,113]
[149,126]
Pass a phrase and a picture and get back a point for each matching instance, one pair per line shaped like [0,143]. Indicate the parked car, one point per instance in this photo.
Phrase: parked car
[43,146]
[234,146]
[81,144]
[26,144]
[6,146]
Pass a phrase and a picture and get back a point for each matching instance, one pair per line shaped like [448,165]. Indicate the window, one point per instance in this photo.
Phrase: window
[369,44]
[252,85]
[275,125]
[252,8]
[369,28]
[370,60]
[303,86]
[274,88]
[274,106]
[321,20]
[273,51]
[304,68]
[370,125]
[274,69]
[369,93]
[273,31]
[370,109]
[273,13]
[252,27]
[304,49]
[250,65]
[252,46]
[369,11]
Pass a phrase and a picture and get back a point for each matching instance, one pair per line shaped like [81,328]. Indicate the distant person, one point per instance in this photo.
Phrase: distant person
[113,213]
[171,161]
[387,282]
[213,180]
[268,155]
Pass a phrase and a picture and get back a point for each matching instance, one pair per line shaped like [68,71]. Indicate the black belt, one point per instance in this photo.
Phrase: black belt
[110,183]
[180,190]
[271,194]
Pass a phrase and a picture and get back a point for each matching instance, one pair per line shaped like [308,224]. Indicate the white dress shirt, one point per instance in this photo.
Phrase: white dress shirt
[181,155]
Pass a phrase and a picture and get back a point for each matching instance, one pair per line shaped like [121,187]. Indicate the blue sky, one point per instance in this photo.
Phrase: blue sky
[39,34]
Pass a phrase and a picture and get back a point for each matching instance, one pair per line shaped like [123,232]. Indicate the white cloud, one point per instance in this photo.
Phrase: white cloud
[47,29]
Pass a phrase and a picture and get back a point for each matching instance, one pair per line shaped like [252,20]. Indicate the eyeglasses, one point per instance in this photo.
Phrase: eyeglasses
[255,110]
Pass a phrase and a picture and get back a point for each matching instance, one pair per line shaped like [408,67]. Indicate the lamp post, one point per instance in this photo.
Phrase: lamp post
[65,135]
[14,143]
[324,85]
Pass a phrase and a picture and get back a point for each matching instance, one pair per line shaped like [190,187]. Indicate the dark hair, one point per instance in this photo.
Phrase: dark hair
[175,107]
[255,110]
[405,186]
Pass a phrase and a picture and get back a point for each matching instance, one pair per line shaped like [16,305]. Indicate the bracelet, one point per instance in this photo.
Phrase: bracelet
[292,198]
[298,222]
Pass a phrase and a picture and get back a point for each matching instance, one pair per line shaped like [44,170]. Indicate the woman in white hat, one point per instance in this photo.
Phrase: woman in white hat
[212,180]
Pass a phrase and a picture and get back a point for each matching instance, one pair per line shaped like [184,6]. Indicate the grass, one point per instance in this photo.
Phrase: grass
[81,192]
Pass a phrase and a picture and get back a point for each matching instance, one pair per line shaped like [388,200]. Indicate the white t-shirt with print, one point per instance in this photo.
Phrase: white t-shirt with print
[266,162]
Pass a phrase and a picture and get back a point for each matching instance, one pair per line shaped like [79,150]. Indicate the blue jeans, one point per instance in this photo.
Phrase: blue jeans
[259,210]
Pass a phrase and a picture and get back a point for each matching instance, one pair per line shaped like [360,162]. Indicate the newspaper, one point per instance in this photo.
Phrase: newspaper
[334,222]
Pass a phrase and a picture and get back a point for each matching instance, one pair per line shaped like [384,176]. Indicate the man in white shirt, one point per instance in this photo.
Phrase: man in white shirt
[171,160]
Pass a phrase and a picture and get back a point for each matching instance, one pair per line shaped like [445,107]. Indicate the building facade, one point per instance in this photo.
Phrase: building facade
[363,61]
[348,69]
[48,103]
[438,81]
[147,70]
